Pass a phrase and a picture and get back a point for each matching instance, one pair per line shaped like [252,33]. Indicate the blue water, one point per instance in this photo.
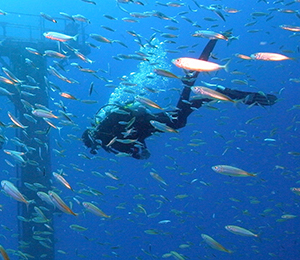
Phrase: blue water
[138,202]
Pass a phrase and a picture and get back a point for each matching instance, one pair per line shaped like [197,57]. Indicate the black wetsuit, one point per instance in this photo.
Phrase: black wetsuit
[124,130]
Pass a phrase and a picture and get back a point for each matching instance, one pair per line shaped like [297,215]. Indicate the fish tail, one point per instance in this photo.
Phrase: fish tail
[28,202]
[74,214]
[226,66]
[232,100]
[258,236]
[237,103]
[75,37]
[27,205]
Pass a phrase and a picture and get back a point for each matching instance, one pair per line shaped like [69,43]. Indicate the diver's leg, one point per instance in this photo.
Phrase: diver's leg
[208,49]
[186,107]
[249,98]
[183,102]
[190,78]
[177,118]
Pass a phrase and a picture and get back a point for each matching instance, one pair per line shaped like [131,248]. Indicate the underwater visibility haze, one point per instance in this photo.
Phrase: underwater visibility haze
[223,185]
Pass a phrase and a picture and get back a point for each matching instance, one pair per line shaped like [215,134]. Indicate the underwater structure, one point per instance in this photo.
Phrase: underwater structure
[19,41]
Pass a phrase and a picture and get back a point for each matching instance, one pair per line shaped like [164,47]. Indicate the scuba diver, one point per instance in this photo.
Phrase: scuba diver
[124,129]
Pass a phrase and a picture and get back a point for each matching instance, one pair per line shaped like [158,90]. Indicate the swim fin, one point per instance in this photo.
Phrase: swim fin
[249,98]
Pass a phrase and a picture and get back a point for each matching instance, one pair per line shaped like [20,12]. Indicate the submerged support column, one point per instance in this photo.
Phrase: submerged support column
[35,232]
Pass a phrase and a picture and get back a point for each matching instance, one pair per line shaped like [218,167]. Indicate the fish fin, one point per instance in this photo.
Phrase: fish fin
[237,102]
[258,236]
[226,66]
[75,37]
[252,174]
[28,203]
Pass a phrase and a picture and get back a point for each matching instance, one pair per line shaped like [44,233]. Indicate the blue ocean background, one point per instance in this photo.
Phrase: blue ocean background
[196,200]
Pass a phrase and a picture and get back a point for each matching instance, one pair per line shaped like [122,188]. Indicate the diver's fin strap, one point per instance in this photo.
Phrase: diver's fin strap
[249,98]
[259,99]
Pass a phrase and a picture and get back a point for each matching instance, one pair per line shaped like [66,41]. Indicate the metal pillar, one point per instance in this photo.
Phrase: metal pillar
[38,166]
[35,239]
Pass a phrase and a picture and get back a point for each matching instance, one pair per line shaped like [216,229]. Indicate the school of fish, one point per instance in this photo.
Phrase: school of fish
[87,188]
